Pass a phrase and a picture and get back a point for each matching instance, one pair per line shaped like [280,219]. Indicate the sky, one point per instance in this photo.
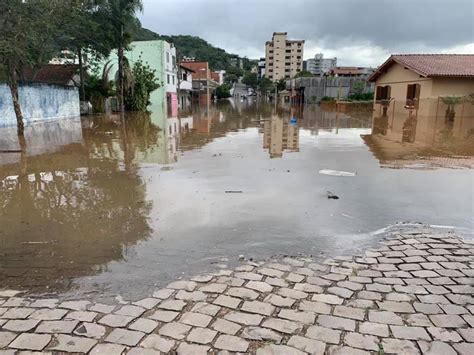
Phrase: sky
[357,32]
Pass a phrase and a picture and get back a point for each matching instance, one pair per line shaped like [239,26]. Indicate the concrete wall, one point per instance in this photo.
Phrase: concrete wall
[39,102]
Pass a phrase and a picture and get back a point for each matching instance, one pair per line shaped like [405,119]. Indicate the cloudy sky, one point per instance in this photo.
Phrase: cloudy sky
[357,32]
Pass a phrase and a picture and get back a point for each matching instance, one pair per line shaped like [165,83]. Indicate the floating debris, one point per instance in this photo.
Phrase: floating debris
[332,196]
[336,172]
[233,191]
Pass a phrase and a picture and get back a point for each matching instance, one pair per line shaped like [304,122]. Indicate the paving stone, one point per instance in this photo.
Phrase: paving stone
[469,319]
[182,285]
[248,276]
[292,277]
[27,341]
[68,343]
[273,349]
[9,293]
[143,325]
[172,305]
[147,303]
[57,326]
[436,348]
[125,337]
[291,293]
[6,338]
[361,341]
[360,279]
[427,308]
[202,278]
[377,287]
[18,313]
[174,330]
[164,316]
[226,280]
[417,319]
[369,273]
[334,277]
[304,271]
[317,307]
[323,334]
[409,267]
[156,342]
[201,335]
[20,325]
[341,292]
[242,292]
[349,312]
[163,293]
[336,322]
[192,349]
[445,335]
[460,299]
[464,348]
[225,326]
[377,329]
[318,281]
[353,286]
[107,349]
[467,334]
[309,288]
[370,295]
[298,316]
[16,302]
[75,305]
[244,318]
[244,268]
[309,345]
[261,334]
[259,286]
[278,266]
[130,310]
[143,351]
[115,320]
[90,330]
[231,343]
[438,299]
[258,307]
[389,280]
[330,299]
[447,321]
[82,316]
[412,289]
[227,301]
[345,350]
[398,307]
[206,308]
[48,314]
[45,303]
[279,301]
[282,325]
[385,317]
[102,308]
[195,319]
[397,346]
[410,333]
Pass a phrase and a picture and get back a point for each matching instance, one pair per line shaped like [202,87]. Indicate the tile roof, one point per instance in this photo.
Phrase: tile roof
[51,74]
[431,65]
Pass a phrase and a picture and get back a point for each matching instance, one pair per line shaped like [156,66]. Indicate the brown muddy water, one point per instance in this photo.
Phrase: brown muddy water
[103,207]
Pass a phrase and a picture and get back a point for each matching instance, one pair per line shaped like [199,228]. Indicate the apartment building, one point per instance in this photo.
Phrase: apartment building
[320,65]
[283,57]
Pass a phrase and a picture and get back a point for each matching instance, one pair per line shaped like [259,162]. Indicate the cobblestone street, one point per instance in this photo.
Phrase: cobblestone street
[413,294]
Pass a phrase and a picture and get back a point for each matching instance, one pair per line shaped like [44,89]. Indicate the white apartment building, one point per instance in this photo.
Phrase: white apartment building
[320,65]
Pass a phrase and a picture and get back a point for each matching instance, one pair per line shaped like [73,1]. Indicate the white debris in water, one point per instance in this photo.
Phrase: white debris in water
[336,172]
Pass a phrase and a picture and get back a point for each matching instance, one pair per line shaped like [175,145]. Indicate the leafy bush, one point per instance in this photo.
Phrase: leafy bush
[369,96]
[223,91]
[144,83]
[328,98]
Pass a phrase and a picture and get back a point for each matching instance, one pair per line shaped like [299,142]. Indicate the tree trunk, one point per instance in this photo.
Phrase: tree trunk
[120,68]
[81,74]
[13,84]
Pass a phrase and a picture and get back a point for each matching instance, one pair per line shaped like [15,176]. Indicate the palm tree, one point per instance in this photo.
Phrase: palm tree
[451,102]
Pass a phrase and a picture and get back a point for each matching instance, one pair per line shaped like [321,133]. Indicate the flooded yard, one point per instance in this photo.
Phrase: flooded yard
[105,206]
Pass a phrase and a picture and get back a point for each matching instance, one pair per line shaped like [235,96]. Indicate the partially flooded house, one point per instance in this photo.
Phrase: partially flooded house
[423,100]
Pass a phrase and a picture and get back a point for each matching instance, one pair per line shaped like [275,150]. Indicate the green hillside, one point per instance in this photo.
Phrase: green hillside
[201,50]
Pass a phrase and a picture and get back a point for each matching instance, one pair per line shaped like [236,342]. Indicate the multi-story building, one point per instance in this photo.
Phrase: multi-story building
[171,73]
[320,65]
[283,57]
[203,82]
[261,68]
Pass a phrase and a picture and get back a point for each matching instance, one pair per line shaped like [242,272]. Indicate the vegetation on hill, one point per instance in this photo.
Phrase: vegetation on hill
[198,48]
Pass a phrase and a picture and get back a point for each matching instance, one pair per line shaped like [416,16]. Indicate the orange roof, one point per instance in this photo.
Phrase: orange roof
[431,65]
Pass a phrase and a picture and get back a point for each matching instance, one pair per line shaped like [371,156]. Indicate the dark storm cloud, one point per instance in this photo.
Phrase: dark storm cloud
[358,31]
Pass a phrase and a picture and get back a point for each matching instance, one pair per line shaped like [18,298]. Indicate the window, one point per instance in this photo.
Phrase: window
[167,57]
[413,95]
[288,57]
[288,51]
[382,93]
[168,78]
[173,58]
[172,77]
[185,77]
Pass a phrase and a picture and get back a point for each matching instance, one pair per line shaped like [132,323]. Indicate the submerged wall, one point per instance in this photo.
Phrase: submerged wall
[39,102]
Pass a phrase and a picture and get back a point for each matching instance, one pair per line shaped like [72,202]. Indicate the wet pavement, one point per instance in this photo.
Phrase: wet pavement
[410,295]
[98,208]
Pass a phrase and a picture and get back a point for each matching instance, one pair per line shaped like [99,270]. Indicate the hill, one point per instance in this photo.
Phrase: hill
[198,48]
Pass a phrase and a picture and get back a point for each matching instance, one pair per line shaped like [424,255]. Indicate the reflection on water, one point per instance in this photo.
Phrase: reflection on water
[433,134]
[85,194]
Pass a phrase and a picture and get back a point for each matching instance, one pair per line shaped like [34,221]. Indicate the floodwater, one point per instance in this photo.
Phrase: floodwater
[101,206]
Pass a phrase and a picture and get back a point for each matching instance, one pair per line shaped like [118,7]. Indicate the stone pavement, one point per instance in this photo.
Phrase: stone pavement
[412,295]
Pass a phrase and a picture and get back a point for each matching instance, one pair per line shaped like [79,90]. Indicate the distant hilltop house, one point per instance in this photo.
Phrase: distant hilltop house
[50,92]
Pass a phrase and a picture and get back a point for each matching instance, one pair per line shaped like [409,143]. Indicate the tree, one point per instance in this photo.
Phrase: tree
[265,85]
[303,74]
[29,31]
[223,91]
[231,78]
[281,84]
[119,17]
[144,83]
[250,79]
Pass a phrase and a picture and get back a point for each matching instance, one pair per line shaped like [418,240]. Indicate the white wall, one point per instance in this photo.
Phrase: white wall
[170,67]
